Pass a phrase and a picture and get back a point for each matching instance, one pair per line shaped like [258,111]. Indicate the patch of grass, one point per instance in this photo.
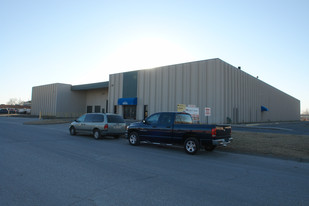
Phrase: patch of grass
[277,145]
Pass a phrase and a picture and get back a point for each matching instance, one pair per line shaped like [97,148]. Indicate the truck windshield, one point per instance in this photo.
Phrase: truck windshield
[183,119]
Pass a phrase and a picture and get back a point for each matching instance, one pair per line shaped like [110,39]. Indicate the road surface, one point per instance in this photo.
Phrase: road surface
[44,165]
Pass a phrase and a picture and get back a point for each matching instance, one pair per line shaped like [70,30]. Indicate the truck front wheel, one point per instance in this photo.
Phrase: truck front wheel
[191,145]
[134,139]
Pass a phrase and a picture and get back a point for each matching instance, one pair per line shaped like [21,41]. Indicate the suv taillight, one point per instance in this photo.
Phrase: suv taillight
[106,127]
[214,132]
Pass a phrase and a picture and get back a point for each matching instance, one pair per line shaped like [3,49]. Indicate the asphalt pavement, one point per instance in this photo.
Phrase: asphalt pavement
[44,165]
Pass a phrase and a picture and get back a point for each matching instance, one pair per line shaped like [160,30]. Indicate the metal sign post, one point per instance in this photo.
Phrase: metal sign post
[207,113]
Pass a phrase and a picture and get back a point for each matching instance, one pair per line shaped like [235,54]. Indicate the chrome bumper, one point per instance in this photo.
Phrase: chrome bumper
[222,142]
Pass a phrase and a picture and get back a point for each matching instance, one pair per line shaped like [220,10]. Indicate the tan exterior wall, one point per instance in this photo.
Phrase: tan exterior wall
[57,100]
[44,100]
[97,97]
[70,103]
[115,92]
[232,94]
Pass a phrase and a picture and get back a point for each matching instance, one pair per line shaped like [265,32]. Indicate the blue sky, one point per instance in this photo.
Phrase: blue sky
[83,41]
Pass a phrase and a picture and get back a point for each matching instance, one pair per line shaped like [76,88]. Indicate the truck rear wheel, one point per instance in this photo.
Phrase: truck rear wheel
[191,145]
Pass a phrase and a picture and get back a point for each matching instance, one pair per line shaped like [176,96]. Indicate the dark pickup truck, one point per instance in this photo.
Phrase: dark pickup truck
[178,128]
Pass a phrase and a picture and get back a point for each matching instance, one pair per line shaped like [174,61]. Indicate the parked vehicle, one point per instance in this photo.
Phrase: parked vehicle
[4,111]
[178,128]
[99,124]
[22,111]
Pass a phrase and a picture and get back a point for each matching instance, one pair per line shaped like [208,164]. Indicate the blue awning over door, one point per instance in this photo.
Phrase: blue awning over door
[264,109]
[127,101]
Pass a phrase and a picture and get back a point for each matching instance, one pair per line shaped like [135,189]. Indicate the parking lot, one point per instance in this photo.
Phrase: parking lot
[45,165]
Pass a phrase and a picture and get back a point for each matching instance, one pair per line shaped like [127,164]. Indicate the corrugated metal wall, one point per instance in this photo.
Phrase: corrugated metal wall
[44,99]
[231,93]
[115,91]
[57,100]
[70,103]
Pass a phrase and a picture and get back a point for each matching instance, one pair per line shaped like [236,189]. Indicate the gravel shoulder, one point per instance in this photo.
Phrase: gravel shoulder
[288,146]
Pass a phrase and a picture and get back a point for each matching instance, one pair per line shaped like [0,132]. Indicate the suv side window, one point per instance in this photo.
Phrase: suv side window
[153,119]
[88,118]
[81,119]
[97,118]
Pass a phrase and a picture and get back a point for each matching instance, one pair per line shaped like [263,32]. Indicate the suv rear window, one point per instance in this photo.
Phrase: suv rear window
[115,119]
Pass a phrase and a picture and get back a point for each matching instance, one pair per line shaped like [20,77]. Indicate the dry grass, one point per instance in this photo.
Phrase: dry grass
[277,145]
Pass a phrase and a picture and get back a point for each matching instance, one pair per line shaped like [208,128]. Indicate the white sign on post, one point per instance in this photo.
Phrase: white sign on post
[194,112]
[207,111]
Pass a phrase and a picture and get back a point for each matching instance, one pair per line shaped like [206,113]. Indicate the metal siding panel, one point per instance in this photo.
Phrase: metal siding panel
[165,89]
[202,90]
[194,89]
[171,88]
[129,87]
[179,84]
[152,103]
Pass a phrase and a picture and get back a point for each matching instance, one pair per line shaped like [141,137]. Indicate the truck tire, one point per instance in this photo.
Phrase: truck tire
[191,145]
[134,139]
[96,134]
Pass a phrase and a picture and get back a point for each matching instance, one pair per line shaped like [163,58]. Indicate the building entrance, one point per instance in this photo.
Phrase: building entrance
[129,111]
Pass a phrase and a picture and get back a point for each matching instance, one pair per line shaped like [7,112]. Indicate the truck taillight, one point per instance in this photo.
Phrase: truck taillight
[106,127]
[214,132]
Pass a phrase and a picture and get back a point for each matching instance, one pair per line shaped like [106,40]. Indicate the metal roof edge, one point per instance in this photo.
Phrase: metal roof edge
[83,87]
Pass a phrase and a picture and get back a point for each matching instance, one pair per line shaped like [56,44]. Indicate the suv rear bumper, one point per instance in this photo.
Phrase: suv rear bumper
[222,142]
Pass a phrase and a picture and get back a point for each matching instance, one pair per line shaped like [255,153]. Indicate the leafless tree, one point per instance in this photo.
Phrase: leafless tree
[15,101]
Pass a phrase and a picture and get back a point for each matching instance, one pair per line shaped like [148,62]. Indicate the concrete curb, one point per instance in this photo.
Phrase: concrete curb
[260,127]
[48,121]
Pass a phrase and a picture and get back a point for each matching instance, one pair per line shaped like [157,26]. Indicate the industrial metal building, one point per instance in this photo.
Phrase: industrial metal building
[213,90]
[65,100]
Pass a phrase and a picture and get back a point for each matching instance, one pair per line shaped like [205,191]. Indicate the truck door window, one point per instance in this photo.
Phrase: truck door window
[165,119]
[153,119]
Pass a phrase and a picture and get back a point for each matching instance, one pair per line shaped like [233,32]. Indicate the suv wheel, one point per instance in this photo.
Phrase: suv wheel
[96,134]
[72,131]
[191,145]
[134,139]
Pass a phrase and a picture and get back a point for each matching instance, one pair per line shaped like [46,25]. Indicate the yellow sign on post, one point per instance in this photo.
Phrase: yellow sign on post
[181,107]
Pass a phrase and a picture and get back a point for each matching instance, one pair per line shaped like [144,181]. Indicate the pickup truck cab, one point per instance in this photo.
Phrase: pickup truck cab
[178,128]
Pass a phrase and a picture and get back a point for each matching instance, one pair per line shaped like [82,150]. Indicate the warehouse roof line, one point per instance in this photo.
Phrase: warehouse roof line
[82,87]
